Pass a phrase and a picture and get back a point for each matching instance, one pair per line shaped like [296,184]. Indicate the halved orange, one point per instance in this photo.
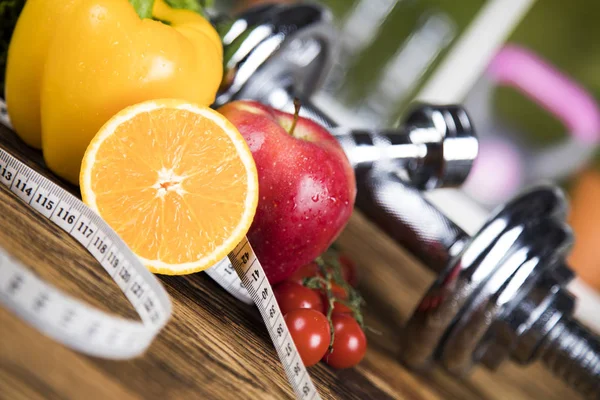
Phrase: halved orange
[175,180]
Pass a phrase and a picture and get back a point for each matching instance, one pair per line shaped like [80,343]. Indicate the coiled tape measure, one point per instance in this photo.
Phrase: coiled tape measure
[89,330]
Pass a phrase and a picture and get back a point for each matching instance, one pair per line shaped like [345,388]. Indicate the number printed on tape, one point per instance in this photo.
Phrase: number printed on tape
[91,331]
[65,216]
[253,276]
[226,276]
[60,316]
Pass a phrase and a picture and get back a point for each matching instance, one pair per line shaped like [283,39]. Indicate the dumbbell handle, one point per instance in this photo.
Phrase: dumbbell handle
[404,214]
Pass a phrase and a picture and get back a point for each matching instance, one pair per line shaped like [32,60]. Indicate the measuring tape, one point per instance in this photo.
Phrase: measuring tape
[94,332]
[59,315]
[254,279]
[226,276]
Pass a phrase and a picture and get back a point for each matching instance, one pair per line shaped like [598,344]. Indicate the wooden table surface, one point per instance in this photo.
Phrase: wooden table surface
[216,347]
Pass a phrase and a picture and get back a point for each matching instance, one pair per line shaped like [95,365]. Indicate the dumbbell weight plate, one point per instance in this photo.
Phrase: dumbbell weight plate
[285,47]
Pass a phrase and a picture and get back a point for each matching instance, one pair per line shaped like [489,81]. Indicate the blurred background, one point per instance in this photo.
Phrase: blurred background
[532,95]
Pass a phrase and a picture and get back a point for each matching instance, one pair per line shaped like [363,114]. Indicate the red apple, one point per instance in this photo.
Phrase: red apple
[306,185]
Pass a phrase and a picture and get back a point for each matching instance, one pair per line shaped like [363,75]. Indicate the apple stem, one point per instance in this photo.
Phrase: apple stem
[297,106]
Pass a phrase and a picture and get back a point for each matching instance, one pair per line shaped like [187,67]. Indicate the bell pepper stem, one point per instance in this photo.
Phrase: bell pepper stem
[143,8]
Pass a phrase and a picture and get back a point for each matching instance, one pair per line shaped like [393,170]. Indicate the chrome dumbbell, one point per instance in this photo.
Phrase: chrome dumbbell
[503,296]
[500,294]
[277,53]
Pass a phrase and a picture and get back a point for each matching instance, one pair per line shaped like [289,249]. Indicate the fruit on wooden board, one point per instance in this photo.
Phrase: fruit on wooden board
[350,344]
[291,296]
[307,186]
[310,332]
[175,180]
[340,306]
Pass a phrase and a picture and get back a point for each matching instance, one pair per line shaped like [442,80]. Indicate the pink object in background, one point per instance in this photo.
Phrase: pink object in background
[559,95]
[505,164]
[496,172]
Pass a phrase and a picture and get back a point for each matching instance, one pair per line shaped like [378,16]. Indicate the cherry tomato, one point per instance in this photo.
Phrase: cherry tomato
[310,331]
[292,296]
[349,270]
[306,271]
[339,293]
[349,344]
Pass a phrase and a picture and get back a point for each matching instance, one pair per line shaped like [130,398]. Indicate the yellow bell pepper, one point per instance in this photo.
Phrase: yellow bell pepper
[73,64]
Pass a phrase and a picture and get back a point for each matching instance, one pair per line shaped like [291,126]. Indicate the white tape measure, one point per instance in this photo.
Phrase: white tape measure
[91,331]
[226,276]
[253,276]
[59,315]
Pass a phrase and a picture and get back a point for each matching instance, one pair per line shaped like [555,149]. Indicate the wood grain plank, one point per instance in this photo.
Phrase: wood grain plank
[27,368]
[214,346]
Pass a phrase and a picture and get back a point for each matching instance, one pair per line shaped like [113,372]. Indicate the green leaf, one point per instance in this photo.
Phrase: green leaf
[193,5]
[143,8]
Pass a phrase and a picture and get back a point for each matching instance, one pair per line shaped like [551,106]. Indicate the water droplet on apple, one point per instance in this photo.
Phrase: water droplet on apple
[315,198]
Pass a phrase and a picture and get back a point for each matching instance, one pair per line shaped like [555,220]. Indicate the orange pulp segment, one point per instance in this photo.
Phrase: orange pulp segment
[175,180]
